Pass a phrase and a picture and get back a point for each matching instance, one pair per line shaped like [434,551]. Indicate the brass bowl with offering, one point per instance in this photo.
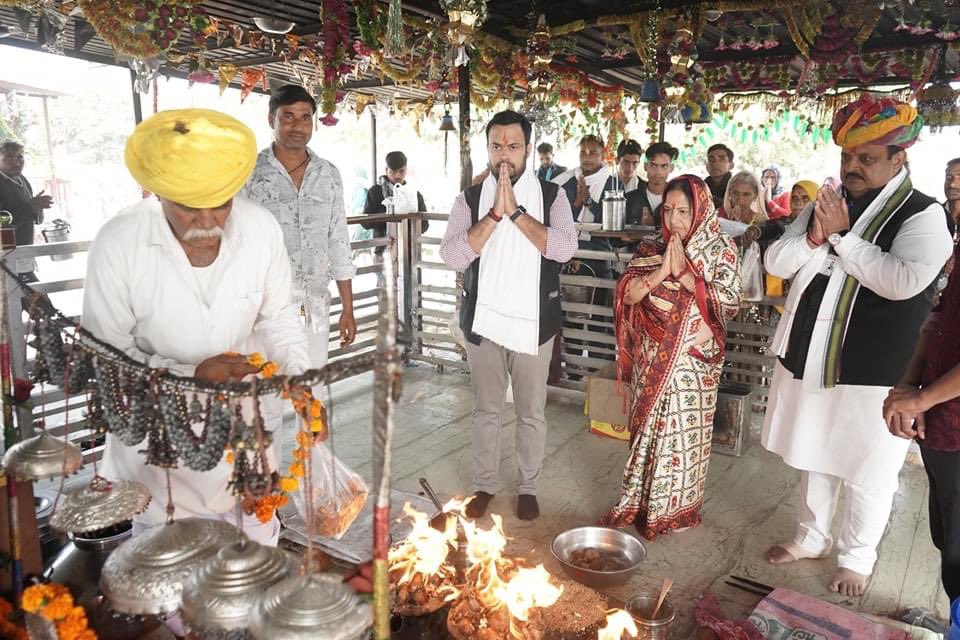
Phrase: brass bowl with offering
[598,556]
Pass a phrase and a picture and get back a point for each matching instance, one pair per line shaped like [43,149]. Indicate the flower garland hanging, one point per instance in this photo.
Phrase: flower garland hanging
[166,20]
[54,603]
[143,29]
[314,415]
[337,54]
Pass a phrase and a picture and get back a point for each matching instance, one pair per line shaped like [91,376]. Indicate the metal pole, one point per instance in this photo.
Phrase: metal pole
[386,387]
[137,104]
[463,98]
[46,127]
[373,145]
[663,126]
[9,439]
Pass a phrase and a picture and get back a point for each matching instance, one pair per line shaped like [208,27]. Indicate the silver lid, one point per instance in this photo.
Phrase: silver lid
[145,575]
[99,505]
[41,457]
[220,595]
[315,607]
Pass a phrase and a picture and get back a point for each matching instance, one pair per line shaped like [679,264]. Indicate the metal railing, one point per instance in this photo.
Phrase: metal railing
[428,300]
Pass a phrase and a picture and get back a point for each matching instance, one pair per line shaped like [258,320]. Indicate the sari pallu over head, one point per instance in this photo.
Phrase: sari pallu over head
[708,252]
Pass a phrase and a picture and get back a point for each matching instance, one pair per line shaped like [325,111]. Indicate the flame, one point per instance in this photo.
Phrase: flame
[618,623]
[525,589]
[425,550]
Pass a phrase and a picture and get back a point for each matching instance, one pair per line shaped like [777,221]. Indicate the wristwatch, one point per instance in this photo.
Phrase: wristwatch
[516,214]
[834,239]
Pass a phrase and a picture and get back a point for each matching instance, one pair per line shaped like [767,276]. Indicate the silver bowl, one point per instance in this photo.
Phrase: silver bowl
[623,547]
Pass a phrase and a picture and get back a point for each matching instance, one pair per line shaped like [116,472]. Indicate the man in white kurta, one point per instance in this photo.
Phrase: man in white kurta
[178,282]
[860,262]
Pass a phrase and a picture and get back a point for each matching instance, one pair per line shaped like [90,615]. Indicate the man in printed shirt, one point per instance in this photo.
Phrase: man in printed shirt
[305,193]
[183,280]
[520,228]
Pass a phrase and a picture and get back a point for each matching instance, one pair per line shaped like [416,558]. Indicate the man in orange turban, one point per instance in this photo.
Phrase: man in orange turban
[860,261]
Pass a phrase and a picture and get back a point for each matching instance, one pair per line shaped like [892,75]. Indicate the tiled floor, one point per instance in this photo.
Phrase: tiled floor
[751,501]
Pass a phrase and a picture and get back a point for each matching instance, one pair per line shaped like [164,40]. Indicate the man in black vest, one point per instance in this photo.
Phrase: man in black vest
[509,234]
[860,261]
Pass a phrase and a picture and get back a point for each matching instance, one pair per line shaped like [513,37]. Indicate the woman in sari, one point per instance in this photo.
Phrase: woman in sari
[671,309]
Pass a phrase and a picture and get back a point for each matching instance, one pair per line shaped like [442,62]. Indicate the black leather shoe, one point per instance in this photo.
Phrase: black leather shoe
[478,506]
[527,507]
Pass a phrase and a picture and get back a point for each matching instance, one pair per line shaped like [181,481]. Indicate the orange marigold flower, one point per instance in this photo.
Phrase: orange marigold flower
[316,409]
[229,457]
[256,359]
[299,454]
[77,615]
[58,608]
[297,470]
[303,439]
[317,426]
[269,370]
[33,598]
[288,484]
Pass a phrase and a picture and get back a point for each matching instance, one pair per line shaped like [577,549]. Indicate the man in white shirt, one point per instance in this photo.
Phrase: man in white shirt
[305,194]
[182,280]
[643,204]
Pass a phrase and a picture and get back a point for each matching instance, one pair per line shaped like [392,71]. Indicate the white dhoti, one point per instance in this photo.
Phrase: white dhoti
[836,437]
[838,431]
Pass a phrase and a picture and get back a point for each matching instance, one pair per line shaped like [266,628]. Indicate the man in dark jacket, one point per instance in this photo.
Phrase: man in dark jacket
[16,196]
[390,185]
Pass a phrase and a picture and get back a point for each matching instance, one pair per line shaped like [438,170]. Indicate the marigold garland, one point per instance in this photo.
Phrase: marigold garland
[313,414]
[54,602]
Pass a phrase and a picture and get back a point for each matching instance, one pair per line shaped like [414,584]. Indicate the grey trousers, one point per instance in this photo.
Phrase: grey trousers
[490,365]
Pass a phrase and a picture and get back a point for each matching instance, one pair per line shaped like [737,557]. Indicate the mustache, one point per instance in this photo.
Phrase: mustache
[854,175]
[203,234]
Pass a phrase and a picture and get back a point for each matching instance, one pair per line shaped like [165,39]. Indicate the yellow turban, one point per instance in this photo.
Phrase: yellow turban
[195,157]
[809,187]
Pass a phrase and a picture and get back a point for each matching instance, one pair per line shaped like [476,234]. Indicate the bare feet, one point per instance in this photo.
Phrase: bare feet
[848,583]
[788,552]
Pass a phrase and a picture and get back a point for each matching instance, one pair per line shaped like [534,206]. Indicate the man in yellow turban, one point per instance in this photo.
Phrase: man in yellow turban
[860,262]
[183,280]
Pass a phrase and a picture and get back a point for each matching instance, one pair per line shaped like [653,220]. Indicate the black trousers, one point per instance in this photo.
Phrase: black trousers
[943,470]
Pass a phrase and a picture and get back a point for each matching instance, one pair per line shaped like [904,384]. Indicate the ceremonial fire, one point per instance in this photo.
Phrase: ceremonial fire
[494,598]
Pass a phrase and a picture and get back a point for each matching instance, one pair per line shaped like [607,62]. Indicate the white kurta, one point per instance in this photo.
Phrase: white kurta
[142,296]
[840,431]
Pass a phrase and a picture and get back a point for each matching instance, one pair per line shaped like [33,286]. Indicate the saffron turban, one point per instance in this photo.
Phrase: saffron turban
[195,157]
[872,121]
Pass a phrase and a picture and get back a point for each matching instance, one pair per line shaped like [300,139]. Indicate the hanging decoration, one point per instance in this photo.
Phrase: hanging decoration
[226,72]
[465,18]
[249,79]
[143,28]
[199,72]
[696,104]
[937,104]
[337,56]
[827,32]
[394,45]
[165,21]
